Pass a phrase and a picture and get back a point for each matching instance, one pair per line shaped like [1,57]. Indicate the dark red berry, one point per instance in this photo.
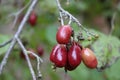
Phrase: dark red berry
[89,59]
[53,52]
[74,56]
[40,50]
[33,18]
[64,34]
[61,56]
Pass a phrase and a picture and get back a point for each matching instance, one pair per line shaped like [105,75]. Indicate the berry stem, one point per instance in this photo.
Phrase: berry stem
[60,13]
[72,18]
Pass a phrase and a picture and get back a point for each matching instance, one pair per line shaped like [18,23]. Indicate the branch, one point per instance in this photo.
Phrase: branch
[34,54]
[27,58]
[5,43]
[39,60]
[4,61]
[17,34]
[16,15]
[64,13]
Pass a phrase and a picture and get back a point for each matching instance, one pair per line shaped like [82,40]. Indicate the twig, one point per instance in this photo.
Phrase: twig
[72,18]
[4,61]
[5,43]
[27,58]
[38,69]
[112,22]
[34,54]
[17,34]
[18,13]
[38,63]
[61,19]
[60,13]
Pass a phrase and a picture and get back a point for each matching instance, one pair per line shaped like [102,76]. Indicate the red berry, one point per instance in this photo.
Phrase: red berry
[74,55]
[33,18]
[40,50]
[52,54]
[61,56]
[64,34]
[89,59]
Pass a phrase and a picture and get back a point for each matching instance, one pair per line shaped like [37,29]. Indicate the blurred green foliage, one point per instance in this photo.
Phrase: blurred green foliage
[44,33]
[3,38]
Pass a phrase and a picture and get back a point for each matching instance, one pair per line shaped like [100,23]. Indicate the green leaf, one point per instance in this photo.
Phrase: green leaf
[107,50]
[3,38]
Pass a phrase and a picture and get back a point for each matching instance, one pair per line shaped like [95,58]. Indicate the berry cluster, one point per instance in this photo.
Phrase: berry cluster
[68,53]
